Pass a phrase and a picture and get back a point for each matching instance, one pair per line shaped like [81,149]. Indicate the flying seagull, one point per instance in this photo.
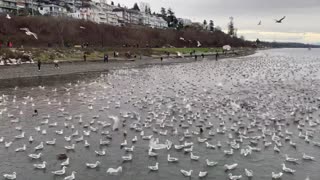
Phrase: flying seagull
[280,20]
[8,16]
[259,24]
[182,39]
[198,44]
[29,33]
[81,27]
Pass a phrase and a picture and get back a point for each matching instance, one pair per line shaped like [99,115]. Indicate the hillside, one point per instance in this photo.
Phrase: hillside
[63,32]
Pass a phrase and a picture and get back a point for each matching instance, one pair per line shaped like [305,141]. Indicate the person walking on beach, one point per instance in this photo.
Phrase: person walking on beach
[217,55]
[84,57]
[106,58]
[39,65]
[56,64]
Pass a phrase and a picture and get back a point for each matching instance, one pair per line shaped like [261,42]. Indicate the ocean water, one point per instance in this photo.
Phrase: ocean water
[273,92]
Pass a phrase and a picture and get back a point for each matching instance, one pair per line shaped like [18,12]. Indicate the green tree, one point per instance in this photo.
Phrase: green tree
[211,25]
[171,18]
[180,26]
[231,29]
[136,7]
[163,12]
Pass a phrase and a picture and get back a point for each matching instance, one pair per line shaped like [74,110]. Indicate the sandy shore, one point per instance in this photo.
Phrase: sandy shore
[27,71]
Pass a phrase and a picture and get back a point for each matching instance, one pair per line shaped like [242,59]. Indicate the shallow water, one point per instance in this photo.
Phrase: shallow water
[266,86]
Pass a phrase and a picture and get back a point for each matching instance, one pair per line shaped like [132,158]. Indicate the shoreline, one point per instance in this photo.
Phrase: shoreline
[25,74]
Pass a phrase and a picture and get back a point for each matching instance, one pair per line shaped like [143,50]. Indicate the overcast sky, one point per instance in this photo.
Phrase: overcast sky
[302,23]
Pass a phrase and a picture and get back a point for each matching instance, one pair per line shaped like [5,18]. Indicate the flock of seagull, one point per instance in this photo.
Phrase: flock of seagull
[170,113]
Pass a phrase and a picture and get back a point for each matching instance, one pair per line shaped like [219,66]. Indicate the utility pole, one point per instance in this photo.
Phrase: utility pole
[32,8]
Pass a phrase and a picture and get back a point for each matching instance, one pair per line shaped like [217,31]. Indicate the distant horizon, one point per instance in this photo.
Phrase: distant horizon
[299,26]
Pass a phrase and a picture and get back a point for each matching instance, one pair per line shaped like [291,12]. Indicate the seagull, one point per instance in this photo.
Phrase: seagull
[287,170]
[40,166]
[194,157]
[198,44]
[230,167]
[101,153]
[280,20]
[35,156]
[127,158]
[203,174]
[172,159]
[186,173]
[60,172]
[53,142]
[70,147]
[277,176]
[259,24]
[66,162]
[81,27]
[294,160]
[29,33]
[113,171]
[155,167]
[248,172]
[39,147]
[211,163]
[306,157]
[94,165]
[8,16]
[7,144]
[10,176]
[71,177]
[231,177]
[182,39]
[21,149]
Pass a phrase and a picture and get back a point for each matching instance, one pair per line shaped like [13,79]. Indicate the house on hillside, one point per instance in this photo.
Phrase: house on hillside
[128,16]
[154,21]
[52,10]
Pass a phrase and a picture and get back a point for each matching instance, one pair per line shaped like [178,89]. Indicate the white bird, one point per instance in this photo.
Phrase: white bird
[8,16]
[20,136]
[203,174]
[113,171]
[81,27]
[124,143]
[155,167]
[248,172]
[194,157]
[186,173]
[71,177]
[23,148]
[306,157]
[286,169]
[135,139]
[233,177]
[127,158]
[29,33]
[40,166]
[86,144]
[60,172]
[66,162]
[53,142]
[172,159]
[1,139]
[231,166]
[276,175]
[101,153]
[289,159]
[198,44]
[103,143]
[35,156]
[94,165]
[10,176]
[211,163]
[39,147]
[30,139]
[127,149]
[7,144]
[70,147]
[152,154]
